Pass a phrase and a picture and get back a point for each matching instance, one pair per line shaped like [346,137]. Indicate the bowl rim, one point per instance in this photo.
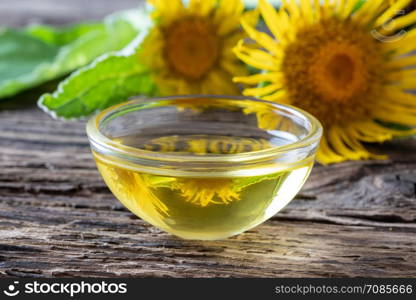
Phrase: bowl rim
[99,139]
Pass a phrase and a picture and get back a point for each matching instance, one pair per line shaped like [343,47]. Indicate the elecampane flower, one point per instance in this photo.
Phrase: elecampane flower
[189,49]
[350,66]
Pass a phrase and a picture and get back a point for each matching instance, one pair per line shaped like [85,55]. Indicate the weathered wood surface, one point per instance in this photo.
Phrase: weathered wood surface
[58,219]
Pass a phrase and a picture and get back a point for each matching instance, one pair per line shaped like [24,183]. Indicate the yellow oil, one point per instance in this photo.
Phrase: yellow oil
[206,206]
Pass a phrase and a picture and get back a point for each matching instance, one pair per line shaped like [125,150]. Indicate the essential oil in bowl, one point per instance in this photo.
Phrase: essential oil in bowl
[210,205]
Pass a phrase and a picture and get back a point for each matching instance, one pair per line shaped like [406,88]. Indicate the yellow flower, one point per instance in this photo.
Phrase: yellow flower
[351,68]
[206,191]
[132,189]
[189,49]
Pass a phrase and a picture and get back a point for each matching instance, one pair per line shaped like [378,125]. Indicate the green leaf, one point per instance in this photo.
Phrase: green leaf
[108,80]
[36,54]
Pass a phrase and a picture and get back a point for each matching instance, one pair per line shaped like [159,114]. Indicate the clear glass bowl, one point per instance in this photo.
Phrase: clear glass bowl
[204,167]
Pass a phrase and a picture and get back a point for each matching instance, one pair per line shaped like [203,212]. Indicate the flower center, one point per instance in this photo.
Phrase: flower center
[340,70]
[192,47]
[333,69]
[337,72]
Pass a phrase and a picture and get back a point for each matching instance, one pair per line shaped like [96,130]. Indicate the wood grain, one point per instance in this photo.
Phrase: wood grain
[58,219]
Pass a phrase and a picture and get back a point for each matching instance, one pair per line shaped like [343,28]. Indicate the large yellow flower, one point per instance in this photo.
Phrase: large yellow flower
[189,49]
[351,68]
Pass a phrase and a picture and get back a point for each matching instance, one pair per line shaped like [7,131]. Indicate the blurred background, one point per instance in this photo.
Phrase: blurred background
[24,12]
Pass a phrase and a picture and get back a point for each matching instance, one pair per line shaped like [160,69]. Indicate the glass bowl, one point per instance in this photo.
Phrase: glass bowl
[204,167]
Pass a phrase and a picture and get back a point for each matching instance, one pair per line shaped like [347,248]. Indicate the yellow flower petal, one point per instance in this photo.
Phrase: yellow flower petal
[408,83]
[260,37]
[368,11]
[271,18]
[280,96]
[227,16]
[403,62]
[292,7]
[391,12]
[396,95]
[325,155]
[392,113]
[262,91]
[398,75]
[343,146]
[307,10]
[222,82]
[256,58]
[201,7]
[233,67]
[259,78]
[348,8]
[403,45]
[167,11]
[398,23]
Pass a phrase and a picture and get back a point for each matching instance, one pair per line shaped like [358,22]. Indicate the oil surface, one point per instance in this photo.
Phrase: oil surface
[207,207]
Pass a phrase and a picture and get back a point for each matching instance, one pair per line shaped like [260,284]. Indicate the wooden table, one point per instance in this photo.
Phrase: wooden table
[58,219]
